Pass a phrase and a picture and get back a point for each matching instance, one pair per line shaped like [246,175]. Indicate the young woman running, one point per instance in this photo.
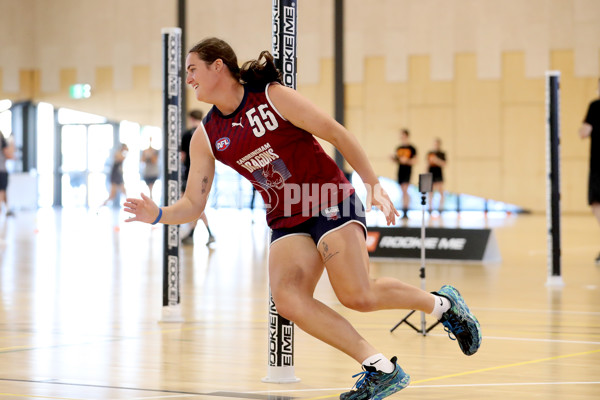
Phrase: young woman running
[266,132]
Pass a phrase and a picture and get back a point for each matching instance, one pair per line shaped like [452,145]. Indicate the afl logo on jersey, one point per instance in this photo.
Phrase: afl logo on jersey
[222,144]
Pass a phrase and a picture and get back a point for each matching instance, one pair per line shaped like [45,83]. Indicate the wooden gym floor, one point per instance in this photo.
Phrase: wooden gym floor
[80,310]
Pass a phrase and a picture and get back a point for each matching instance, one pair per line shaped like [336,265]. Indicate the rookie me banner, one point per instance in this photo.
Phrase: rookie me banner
[440,244]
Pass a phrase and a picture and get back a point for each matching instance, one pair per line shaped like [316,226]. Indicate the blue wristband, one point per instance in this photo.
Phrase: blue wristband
[159,216]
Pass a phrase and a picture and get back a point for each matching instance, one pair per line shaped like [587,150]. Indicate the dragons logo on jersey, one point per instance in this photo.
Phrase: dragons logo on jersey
[272,175]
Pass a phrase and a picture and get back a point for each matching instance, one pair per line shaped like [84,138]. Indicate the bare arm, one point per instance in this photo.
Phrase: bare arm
[191,205]
[585,130]
[304,114]
[9,150]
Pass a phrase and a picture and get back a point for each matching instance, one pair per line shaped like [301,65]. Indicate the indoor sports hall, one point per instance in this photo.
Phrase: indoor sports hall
[499,95]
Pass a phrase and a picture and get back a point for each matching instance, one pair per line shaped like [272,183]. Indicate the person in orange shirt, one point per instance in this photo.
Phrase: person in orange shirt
[436,160]
[405,156]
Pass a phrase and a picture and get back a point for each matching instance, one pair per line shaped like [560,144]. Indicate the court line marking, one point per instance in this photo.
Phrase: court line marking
[114,339]
[517,364]
[541,340]
[584,353]
[540,360]
[411,386]
[38,397]
[535,311]
[164,393]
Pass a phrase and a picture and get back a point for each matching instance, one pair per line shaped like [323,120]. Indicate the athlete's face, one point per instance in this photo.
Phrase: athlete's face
[200,76]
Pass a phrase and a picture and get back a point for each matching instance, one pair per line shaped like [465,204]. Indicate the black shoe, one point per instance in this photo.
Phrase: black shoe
[597,260]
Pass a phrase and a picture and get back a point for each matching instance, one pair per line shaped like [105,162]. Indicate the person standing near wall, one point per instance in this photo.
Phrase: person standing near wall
[436,161]
[195,119]
[406,157]
[7,152]
[591,128]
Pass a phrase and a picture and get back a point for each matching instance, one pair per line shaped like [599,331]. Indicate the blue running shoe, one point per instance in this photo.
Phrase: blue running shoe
[460,322]
[376,385]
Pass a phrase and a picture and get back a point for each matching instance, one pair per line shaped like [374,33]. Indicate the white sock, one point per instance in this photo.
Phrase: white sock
[380,363]
[440,306]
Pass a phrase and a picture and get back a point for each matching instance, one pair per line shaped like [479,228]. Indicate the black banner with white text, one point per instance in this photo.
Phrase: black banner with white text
[440,243]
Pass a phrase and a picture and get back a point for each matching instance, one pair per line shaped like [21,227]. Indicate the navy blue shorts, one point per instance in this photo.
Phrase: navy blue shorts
[349,211]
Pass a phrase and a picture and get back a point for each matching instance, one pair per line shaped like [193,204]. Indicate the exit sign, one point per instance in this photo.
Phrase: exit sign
[80,91]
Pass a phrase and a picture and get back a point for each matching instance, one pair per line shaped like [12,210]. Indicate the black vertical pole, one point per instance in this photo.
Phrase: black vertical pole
[280,368]
[172,179]
[339,92]
[553,180]
[181,22]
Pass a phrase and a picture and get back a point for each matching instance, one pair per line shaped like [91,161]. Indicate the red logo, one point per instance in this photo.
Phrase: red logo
[222,144]
[372,241]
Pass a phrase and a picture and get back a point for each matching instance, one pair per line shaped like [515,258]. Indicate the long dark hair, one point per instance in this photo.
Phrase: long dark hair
[258,72]
[253,72]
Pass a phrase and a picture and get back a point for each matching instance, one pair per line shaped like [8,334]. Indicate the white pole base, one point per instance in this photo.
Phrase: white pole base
[172,314]
[555,281]
[280,375]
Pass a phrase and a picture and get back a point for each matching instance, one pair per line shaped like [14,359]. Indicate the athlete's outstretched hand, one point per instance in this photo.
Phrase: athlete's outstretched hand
[143,210]
[378,197]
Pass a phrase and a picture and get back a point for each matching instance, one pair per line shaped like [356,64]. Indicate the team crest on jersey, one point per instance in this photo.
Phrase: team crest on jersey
[222,144]
[272,175]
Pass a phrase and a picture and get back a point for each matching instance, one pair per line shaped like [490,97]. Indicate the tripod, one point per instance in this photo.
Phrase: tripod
[425,186]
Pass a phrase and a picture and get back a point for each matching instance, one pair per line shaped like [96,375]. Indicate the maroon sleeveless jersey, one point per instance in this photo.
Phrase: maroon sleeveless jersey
[286,164]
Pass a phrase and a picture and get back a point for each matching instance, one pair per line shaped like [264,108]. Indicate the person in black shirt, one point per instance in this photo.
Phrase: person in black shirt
[195,118]
[436,160]
[591,128]
[405,156]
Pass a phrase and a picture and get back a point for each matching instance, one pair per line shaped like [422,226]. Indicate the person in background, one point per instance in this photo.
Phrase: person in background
[7,152]
[436,161]
[590,128]
[117,185]
[151,169]
[195,118]
[406,157]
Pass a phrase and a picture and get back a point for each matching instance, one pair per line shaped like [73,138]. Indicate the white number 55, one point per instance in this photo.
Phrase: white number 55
[264,118]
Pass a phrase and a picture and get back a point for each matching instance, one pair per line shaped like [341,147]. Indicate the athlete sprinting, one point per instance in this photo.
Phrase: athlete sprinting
[266,132]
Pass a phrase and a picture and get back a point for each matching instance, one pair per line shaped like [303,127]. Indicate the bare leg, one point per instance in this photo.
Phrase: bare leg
[3,199]
[150,186]
[438,187]
[405,197]
[430,201]
[596,211]
[112,194]
[204,219]
[295,266]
